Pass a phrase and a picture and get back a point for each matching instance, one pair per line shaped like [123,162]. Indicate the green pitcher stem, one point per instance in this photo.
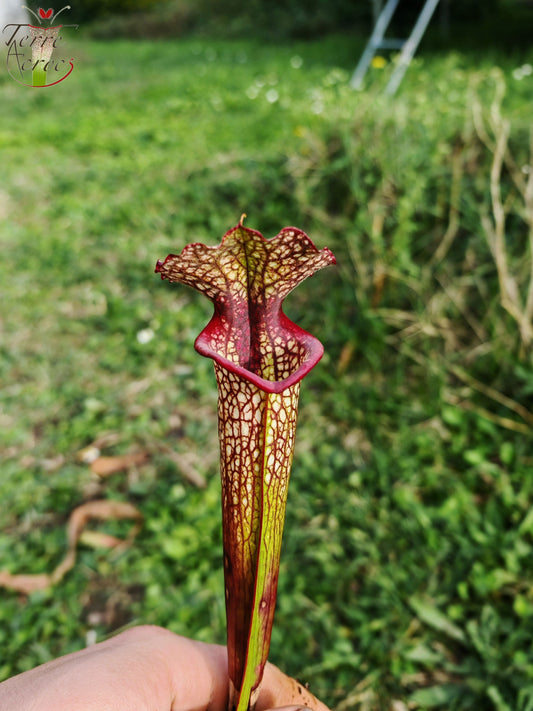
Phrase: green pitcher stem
[273,504]
[257,432]
[38,77]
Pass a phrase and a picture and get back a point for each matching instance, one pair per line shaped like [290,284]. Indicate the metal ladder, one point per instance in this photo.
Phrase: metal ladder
[408,47]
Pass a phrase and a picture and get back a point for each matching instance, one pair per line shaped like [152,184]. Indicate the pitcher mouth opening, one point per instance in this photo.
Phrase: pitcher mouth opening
[313,352]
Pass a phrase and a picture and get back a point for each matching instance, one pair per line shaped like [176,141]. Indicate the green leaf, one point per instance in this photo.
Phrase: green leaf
[423,655]
[432,616]
[442,695]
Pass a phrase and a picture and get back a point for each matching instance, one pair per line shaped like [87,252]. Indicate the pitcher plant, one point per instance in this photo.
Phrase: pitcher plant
[260,356]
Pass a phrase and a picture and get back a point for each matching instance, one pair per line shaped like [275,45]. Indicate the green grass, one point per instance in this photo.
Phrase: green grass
[407,562]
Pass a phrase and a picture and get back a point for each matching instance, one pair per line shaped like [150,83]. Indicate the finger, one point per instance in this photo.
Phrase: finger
[205,684]
[199,675]
[279,690]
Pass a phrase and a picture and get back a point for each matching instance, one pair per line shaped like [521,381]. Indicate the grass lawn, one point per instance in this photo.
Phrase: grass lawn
[406,576]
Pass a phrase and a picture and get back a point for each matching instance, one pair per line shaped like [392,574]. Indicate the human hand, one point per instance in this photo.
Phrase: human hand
[144,669]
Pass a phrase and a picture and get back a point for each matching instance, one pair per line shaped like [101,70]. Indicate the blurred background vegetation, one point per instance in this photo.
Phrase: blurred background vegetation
[502,22]
[407,566]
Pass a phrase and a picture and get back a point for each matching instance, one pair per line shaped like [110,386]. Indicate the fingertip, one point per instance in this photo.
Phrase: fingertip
[281,691]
